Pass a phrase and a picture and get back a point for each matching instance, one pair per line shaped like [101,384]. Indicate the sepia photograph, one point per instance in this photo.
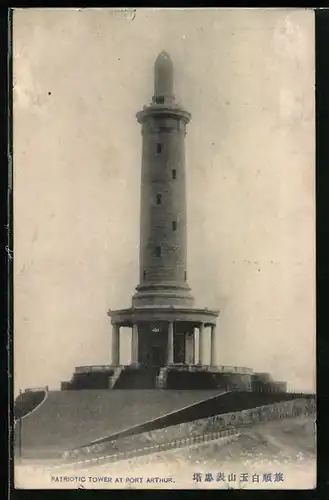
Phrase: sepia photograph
[164,248]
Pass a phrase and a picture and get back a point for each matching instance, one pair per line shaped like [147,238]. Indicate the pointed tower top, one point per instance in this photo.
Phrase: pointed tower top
[163,57]
[163,77]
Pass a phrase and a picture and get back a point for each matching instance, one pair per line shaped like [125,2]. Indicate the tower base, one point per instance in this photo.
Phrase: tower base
[174,377]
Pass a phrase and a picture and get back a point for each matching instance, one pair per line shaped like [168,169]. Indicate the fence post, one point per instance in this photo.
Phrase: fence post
[20,436]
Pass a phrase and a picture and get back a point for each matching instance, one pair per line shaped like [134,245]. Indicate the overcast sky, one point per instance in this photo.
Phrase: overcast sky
[247,77]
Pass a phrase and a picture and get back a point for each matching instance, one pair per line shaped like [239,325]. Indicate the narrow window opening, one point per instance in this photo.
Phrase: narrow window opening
[159,199]
[159,148]
[158,251]
[185,275]
[174,225]
[144,275]
[173,173]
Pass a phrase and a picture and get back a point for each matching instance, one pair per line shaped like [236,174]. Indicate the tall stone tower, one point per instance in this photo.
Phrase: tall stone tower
[173,343]
[163,241]
[166,327]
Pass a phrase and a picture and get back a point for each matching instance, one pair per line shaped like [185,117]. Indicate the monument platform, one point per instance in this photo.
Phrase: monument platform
[177,376]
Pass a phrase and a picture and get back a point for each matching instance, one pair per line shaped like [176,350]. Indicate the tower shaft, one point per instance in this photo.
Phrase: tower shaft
[163,219]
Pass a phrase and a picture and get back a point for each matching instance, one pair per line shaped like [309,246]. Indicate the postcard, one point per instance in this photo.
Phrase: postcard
[164,248]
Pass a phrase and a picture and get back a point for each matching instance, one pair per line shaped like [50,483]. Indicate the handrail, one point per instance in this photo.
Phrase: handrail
[93,368]
[234,369]
[218,368]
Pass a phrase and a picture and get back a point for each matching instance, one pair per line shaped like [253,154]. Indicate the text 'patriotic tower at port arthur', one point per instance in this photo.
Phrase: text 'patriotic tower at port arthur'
[166,327]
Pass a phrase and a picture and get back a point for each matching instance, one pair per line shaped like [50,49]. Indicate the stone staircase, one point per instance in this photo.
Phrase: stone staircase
[161,379]
[113,379]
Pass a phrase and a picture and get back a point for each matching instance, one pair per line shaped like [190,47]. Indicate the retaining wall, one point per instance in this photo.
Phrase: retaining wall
[199,431]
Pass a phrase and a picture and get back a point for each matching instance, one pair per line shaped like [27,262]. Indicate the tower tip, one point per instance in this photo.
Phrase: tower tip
[162,57]
[163,76]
